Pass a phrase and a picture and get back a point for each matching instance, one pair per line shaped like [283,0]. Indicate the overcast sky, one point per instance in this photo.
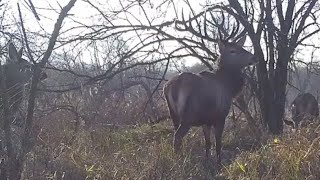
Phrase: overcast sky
[82,11]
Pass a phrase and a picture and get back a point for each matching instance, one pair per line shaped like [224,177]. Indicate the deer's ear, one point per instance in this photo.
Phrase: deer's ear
[13,54]
[221,45]
[241,41]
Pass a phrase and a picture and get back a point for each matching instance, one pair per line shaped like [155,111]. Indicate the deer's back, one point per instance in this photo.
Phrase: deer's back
[306,103]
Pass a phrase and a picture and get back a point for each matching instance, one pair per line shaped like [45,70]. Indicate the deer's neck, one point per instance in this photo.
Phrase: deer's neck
[231,78]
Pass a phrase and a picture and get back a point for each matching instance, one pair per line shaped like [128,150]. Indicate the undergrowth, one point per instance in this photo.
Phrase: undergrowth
[291,156]
[145,152]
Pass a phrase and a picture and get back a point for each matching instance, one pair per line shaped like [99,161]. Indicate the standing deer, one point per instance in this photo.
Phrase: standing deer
[204,99]
[18,72]
[303,107]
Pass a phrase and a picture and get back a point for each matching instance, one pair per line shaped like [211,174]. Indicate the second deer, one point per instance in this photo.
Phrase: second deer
[18,73]
[304,107]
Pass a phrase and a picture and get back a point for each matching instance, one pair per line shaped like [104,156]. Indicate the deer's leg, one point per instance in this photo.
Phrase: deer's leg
[207,131]
[175,123]
[218,135]
[174,117]
[178,136]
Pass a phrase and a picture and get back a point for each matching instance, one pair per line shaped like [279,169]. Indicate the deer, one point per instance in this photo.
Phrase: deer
[204,99]
[17,72]
[304,107]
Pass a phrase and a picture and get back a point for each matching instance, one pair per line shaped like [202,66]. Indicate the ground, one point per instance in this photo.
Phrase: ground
[145,152]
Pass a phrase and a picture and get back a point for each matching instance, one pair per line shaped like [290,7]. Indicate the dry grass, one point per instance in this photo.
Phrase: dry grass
[145,152]
[292,156]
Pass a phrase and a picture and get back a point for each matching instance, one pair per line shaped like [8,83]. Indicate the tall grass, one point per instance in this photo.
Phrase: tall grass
[145,152]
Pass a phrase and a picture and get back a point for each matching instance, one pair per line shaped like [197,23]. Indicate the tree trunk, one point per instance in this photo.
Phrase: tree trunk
[264,91]
[276,103]
[272,102]
[280,82]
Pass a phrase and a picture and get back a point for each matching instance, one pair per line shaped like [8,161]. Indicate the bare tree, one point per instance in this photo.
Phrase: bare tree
[281,39]
[119,56]
[275,34]
[17,156]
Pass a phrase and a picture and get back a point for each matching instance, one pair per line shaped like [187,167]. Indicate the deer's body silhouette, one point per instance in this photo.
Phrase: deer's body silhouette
[304,106]
[204,99]
[17,72]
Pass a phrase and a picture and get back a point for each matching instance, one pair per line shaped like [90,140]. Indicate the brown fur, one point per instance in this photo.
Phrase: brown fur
[204,99]
[303,107]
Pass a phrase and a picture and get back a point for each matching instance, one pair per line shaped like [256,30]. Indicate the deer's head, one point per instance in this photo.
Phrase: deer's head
[18,70]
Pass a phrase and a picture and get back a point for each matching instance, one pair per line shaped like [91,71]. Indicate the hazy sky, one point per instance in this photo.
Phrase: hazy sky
[83,12]
[48,11]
